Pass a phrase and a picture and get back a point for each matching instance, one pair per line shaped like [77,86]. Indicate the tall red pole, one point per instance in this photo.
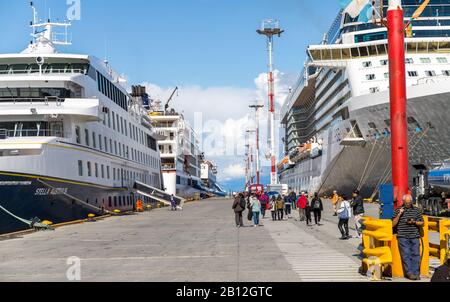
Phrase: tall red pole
[399,127]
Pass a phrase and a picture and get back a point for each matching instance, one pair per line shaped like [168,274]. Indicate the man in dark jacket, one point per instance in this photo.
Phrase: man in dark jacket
[239,207]
[357,205]
[317,207]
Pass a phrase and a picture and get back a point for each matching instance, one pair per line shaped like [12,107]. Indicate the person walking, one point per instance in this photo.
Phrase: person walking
[334,201]
[294,200]
[344,214]
[317,207]
[357,205]
[301,205]
[256,209]
[273,208]
[173,203]
[280,208]
[308,210]
[239,208]
[407,222]
[287,206]
[264,204]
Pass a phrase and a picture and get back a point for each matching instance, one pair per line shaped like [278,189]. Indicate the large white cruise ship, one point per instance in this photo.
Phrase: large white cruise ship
[73,142]
[337,118]
[181,157]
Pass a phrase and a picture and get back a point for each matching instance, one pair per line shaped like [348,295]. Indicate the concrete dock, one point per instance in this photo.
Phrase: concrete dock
[198,244]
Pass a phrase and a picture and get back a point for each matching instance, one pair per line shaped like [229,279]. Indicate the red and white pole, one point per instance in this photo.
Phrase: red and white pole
[399,127]
[273,175]
[258,171]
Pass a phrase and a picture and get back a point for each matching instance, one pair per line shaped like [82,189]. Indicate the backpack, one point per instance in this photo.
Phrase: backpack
[242,203]
[317,204]
[344,214]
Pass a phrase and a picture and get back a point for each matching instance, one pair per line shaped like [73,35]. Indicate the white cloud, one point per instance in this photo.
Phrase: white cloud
[232,172]
[225,117]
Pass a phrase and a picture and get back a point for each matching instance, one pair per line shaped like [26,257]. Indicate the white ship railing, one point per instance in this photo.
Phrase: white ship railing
[36,72]
[4,133]
[32,100]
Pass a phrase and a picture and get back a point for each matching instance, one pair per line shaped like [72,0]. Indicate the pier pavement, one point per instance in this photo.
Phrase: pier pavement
[199,244]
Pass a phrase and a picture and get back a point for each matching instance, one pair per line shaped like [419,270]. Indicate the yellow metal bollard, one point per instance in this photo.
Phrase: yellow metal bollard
[397,264]
[376,239]
[425,249]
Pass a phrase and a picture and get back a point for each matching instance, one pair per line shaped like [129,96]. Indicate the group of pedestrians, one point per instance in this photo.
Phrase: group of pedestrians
[345,209]
[254,203]
[258,205]
[306,207]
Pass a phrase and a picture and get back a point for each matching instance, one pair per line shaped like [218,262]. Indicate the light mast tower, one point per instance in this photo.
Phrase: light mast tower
[257,108]
[271,28]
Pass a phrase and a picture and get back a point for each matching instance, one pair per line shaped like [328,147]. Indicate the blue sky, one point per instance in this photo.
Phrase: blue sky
[187,43]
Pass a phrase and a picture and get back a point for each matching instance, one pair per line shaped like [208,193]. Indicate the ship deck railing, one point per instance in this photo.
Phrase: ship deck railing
[46,72]
[5,133]
[32,100]
[166,167]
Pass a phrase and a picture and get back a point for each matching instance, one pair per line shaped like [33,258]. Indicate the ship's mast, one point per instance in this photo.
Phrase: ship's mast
[47,32]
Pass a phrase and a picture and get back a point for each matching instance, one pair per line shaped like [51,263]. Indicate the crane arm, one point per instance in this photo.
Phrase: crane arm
[170,99]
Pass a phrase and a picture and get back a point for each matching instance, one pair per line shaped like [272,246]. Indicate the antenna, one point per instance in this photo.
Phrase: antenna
[45,32]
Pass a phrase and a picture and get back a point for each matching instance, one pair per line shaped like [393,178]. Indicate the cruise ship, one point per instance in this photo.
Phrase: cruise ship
[209,178]
[337,117]
[73,142]
[181,156]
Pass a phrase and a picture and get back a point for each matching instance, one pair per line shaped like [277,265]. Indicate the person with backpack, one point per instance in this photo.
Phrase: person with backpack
[280,208]
[264,204]
[344,214]
[317,207]
[239,208]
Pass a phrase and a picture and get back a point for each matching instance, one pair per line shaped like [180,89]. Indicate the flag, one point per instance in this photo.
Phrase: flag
[366,13]
[353,7]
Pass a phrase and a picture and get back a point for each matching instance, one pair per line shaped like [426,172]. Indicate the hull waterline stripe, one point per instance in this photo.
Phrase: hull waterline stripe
[59,180]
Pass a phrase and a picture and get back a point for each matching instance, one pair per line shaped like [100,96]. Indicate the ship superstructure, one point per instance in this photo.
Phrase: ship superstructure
[181,157]
[337,118]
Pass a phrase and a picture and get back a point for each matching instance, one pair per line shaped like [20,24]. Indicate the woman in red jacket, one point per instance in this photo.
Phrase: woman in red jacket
[301,205]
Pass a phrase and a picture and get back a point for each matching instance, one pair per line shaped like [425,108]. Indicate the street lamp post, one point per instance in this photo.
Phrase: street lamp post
[271,28]
[251,158]
[396,42]
[258,163]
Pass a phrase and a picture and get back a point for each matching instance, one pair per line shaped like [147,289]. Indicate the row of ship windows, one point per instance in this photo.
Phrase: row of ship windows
[104,172]
[111,91]
[441,60]
[115,148]
[121,125]
[412,74]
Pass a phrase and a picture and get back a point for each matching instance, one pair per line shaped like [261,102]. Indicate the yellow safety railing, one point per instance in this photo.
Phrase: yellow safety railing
[377,238]
[381,245]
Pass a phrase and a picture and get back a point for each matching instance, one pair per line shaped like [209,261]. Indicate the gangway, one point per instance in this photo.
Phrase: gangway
[157,194]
